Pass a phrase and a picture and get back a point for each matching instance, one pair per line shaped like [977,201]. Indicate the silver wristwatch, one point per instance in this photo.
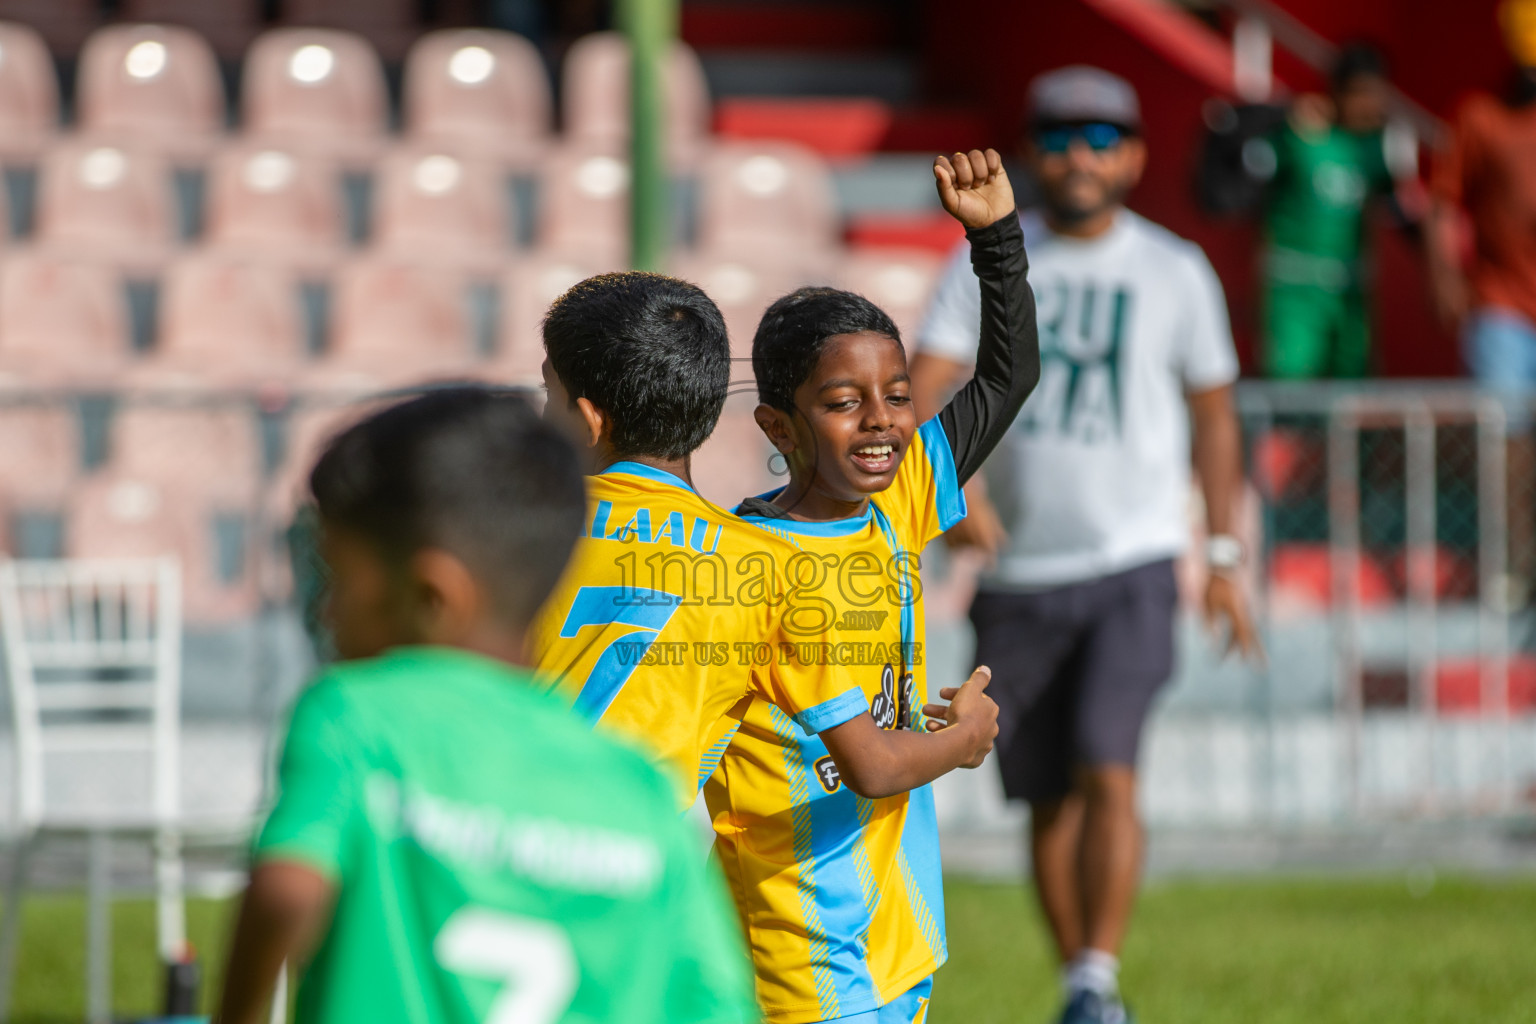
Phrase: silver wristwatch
[1224,553]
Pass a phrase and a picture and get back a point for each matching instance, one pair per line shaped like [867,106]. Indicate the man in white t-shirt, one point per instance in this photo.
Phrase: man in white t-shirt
[1087,511]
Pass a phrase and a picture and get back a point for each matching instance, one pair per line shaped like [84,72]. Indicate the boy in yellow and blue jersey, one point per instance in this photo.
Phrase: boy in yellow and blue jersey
[842,893]
[674,611]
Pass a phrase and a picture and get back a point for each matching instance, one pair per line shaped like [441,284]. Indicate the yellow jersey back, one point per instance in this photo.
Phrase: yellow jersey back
[670,615]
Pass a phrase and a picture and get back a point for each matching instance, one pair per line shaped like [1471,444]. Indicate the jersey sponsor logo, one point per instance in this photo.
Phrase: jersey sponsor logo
[857,619]
[1082,333]
[827,774]
[894,705]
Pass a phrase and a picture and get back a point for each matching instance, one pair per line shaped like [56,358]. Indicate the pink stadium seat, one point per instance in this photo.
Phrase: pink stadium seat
[63,24]
[596,94]
[154,84]
[742,290]
[316,87]
[184,480]
[480,92]
[29,93]
[113,515]
[526,293]
[766,196]
[227,321]
[444,208]
[899,281]
[274,201]
[734,463]
[584,192]
[42,454]
[106,201]
[309,429]
[397,322]
[62,321]
[389,25]
[228,25]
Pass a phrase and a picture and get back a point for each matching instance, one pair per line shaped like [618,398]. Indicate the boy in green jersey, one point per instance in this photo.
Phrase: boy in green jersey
[449,845]
[1333,160]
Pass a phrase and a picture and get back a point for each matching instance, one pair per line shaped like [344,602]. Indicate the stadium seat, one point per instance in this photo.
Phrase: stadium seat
[106,201]
[276,202]
[42,454]
[899,281]
[309,427]
[444,208]
[389,25]
[29,93]
[734,463]
[397,322]
[63,24]
[319,88]
[595,94]
[156,85]
[766,197]
[228,25]
[227,321]
[743,290]
[62,321]
[183,479]
[479,92]
[1301,580]
[584,196]
[526,293]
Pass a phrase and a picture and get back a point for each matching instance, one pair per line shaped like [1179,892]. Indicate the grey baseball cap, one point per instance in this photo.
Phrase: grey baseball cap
[1082,93]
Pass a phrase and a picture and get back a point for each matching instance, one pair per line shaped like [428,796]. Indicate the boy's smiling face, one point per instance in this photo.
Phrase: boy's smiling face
[853,423]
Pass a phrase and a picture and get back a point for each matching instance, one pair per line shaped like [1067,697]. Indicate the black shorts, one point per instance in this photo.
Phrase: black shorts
[1074,672]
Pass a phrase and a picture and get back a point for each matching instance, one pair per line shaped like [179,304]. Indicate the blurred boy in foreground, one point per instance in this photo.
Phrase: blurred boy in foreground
[449,844]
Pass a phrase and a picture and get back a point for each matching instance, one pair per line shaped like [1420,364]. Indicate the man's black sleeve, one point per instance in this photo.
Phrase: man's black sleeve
[1008,357]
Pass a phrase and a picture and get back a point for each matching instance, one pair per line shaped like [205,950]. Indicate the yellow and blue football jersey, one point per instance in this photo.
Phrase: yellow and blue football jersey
[670,614]
[841,896]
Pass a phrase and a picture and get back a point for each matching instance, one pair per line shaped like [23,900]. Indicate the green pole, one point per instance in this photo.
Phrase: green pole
[651,26]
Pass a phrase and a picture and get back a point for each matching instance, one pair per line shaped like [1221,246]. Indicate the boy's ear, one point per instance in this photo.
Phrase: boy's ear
[449,602]
[595,419]
[774,423]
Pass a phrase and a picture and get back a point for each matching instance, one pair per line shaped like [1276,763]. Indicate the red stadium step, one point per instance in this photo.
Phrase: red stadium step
[821,25]
[1459,686]
[833,127]
[938,232]
[849,126]
[1301,577]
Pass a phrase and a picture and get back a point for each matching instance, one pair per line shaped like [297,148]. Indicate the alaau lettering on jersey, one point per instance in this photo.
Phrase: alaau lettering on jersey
[889,709]
[1082,332]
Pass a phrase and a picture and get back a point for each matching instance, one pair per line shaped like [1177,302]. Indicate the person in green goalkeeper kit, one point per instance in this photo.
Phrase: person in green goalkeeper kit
[450,845]
[1328,164]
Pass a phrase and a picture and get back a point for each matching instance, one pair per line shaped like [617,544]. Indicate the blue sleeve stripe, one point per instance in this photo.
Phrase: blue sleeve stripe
[948,496]
[834,712]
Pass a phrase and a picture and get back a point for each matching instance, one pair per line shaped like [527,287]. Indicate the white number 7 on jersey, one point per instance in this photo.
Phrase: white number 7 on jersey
[533,959]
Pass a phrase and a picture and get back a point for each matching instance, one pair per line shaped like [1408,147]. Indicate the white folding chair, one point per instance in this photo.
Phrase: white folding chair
[93,657]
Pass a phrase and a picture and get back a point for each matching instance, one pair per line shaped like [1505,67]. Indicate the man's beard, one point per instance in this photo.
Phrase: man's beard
[1069,213]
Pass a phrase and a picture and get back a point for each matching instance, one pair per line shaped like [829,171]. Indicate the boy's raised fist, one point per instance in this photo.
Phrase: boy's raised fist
[973,187]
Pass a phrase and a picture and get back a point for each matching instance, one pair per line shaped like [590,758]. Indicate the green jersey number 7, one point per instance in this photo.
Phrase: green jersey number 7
[533,960]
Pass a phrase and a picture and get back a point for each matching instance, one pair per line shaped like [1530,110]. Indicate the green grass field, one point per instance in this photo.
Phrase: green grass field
[1325,951]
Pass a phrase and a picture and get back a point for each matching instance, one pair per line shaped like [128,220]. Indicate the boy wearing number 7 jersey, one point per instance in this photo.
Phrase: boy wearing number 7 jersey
[450,845]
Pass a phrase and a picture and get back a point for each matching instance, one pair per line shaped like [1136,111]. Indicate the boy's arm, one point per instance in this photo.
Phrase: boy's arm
[876,762]
[974,189]
[285,910]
